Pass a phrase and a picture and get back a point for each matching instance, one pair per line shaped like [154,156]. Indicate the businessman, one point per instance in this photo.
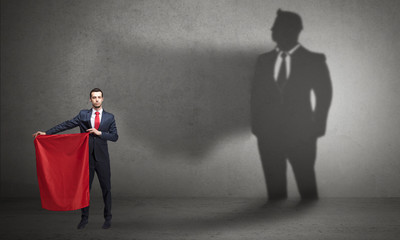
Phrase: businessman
[102,127]
[284,120]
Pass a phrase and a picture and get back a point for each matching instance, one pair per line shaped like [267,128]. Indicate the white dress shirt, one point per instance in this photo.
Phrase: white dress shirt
[92,118]
[288,59]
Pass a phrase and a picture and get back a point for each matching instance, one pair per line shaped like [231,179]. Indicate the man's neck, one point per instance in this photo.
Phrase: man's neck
[97,109]
[287,47]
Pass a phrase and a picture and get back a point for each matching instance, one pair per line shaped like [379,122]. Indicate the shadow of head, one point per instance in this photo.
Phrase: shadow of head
[286,29]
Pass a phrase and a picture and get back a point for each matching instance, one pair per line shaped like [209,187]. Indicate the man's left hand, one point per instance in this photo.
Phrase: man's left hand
[94,131]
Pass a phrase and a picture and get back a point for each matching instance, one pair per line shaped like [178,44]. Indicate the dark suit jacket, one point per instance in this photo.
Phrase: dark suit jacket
[288,111]
[97,144]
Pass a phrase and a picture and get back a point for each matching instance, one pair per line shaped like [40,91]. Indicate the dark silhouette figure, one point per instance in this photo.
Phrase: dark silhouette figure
[283,118]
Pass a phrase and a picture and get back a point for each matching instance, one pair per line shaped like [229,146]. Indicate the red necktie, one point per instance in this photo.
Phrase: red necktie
[97,120]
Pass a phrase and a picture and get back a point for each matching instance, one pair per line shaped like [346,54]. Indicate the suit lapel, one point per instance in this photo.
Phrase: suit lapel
[88,116]
[103,119]
[296,62]
[269,66]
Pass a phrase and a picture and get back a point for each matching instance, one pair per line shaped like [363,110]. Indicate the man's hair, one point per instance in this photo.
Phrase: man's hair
[288,20]
[95,90]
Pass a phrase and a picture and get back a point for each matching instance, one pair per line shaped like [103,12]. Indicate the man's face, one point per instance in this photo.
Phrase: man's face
[284,33]
[281,34]
[97,99]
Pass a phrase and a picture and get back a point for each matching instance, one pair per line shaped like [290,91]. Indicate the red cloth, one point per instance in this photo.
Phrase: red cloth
[62,163]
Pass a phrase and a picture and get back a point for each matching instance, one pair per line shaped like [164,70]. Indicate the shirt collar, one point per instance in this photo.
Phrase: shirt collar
[100,111]
[291,51]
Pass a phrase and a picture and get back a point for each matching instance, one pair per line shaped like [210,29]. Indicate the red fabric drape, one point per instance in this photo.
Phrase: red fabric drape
[62,164]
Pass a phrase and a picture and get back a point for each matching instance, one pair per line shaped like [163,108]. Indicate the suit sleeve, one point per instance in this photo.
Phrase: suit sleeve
[322,88]
[69,124]
[112,134]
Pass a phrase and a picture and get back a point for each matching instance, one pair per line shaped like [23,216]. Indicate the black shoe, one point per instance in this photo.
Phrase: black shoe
[82,223]
[107,224]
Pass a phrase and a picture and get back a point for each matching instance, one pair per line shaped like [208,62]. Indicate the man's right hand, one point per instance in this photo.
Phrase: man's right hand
[38,133]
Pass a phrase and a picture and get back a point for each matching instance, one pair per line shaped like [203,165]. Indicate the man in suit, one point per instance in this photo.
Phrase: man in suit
[283,117]
[102,127]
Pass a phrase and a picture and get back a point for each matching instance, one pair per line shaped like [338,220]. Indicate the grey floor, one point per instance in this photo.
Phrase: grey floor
[200,218]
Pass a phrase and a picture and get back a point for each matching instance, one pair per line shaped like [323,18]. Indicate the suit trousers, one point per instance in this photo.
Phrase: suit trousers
[301,154]
[102,169]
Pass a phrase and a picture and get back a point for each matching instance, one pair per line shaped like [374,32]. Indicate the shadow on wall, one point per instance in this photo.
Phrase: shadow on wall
[178,101]
[283,118]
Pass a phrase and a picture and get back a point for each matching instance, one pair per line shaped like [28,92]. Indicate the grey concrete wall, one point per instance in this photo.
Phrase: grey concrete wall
[177,74]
